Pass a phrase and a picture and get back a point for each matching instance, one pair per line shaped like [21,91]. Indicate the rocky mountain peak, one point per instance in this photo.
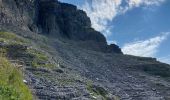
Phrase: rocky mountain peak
[50,17]
[63,58]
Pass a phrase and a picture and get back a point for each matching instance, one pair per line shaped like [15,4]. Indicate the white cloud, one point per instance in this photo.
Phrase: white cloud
[111,42]
[137,3]
[165,59]
[101,12]
[145,48]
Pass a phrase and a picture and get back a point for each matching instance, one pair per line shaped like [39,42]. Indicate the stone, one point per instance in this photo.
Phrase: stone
[84,65]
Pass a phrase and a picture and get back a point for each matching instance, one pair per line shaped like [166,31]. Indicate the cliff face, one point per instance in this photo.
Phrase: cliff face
[19,13]
[63,58]
[55,19]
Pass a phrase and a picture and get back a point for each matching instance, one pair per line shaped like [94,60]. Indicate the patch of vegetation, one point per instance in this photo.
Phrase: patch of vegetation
[11,38]
[64,82]
[39,59]
[15,47]
[11,83]
[3,52]
[7,35]
[37,54]
[97,90]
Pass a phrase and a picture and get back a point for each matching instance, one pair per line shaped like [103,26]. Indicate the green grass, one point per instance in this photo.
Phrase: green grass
[96,90]
[37,54]
[99,91]
[3,52]
[11,83]
[7,35]
[11,38]
[40,59]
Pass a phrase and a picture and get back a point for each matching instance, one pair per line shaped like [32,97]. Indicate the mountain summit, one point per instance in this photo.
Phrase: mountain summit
[63,58]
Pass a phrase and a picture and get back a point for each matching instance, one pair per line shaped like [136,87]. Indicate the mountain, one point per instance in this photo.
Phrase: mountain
[61,57]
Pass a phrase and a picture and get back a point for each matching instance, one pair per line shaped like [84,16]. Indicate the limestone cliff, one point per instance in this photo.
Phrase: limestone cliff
[56,19]
[62,58]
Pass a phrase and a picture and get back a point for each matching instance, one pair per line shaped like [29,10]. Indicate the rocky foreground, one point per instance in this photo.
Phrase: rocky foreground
[63,58]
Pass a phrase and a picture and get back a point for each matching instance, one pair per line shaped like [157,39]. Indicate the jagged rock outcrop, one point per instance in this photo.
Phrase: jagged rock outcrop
[66,20]
[69,60]
[56,19]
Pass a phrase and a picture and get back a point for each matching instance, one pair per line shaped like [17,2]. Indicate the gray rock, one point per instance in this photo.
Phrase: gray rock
[87,67]
[56,19]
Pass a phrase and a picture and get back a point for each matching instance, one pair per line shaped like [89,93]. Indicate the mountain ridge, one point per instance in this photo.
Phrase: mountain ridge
[49,17]
[63,58]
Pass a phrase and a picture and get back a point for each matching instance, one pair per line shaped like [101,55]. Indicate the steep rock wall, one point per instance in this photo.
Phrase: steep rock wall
[50,17]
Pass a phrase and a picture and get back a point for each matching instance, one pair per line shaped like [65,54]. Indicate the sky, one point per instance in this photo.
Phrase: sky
[139,27]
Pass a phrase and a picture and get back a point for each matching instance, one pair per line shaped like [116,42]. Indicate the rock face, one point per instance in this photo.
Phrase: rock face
[66,20]
[56,19]
[63,58]
[19,13]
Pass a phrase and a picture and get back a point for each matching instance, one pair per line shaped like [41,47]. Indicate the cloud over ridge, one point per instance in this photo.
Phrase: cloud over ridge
[145,48]
[101,12]
[165,59]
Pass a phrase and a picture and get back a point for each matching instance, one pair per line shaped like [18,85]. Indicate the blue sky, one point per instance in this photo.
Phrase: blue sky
[139,27]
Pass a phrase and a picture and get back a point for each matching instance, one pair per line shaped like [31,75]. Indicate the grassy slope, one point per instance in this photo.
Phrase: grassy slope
[11,84]
[39,57]
[11,80]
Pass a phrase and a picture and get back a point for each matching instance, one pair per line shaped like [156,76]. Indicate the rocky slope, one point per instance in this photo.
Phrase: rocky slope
[63,58]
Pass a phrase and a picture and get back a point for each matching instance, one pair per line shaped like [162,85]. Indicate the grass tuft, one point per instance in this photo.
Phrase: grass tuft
[40,59]
[97,90]
[11,38]
[11,84]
